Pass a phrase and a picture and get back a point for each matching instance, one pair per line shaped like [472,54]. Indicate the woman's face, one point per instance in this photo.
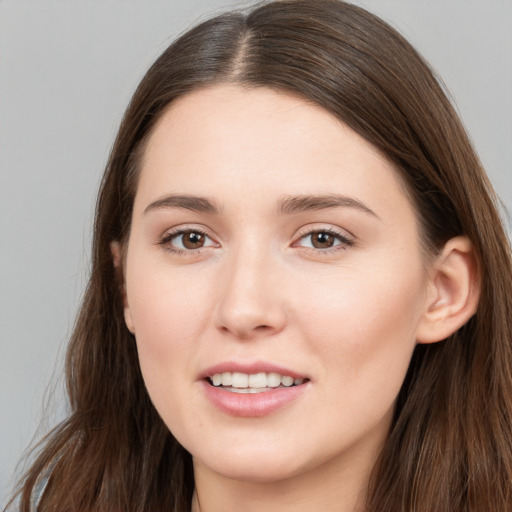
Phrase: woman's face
[271,245]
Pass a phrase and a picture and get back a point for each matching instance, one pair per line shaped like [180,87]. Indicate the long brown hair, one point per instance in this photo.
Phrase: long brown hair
[450,445]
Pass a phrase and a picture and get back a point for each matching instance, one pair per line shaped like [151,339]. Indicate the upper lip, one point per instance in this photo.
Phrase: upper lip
[249,368]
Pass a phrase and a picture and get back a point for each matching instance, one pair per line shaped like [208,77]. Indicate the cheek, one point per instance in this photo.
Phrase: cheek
[168,322]
[363,325]
[169,312]
[357,303]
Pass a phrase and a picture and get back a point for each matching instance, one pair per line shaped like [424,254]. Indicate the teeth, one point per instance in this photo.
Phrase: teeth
[250,391]
[227,379]
[273,380]
[240,380]
[256,382]
[287,381]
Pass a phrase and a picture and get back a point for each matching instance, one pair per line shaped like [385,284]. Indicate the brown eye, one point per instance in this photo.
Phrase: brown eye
[187,240]
[322,240]
[193,240]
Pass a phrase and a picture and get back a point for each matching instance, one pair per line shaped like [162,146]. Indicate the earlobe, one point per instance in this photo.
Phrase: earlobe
[115,249]
[454,290]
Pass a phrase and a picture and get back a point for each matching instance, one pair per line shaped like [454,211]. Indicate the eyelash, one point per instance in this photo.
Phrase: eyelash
[169,236]
[344,240]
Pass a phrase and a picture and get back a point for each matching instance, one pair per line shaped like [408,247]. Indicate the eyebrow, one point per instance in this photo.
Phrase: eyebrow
[296,204]
[287,205]
[186,202]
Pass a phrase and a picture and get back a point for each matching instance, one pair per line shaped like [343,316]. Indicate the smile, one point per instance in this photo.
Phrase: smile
[238,382]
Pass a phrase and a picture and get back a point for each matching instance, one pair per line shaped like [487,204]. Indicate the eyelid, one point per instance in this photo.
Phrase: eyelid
[346,238]
[315,227]
[174,232]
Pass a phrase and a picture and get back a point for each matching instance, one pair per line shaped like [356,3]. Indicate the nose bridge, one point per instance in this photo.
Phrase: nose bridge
[250,299]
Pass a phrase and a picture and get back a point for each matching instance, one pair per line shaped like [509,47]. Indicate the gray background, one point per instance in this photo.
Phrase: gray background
[67,70]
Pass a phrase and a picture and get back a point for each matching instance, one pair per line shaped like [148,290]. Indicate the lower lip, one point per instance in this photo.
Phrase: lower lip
[252,405]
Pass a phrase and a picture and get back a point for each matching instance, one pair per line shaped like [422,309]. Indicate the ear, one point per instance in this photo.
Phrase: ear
[117,258]
[454,290]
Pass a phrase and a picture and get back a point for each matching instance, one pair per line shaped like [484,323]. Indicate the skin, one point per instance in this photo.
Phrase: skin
[346,317]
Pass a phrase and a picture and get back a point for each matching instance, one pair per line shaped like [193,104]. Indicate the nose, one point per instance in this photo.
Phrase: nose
[251,296]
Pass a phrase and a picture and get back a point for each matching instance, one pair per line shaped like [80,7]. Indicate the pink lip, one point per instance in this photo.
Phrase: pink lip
[251,405]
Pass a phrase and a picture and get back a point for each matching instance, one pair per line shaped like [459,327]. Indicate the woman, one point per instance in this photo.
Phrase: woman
[300,291]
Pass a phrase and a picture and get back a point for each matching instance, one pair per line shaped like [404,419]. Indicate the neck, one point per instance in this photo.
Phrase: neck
[326,488]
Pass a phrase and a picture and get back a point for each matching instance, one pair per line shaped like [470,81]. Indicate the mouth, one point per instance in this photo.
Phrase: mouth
[253,389]
[237,382]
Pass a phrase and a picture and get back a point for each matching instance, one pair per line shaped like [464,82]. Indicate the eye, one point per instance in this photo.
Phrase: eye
[184,240]
[324,239]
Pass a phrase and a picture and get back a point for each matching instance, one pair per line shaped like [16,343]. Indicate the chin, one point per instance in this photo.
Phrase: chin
[253,464]
[255,472]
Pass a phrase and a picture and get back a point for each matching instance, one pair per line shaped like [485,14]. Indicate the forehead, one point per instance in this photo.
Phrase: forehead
[219,116]
[234,142]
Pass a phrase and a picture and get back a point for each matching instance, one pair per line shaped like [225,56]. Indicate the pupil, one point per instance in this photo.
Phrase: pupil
[193,240]
[322,240]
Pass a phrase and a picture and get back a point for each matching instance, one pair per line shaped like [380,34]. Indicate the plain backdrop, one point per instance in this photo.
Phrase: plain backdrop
[67,70]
